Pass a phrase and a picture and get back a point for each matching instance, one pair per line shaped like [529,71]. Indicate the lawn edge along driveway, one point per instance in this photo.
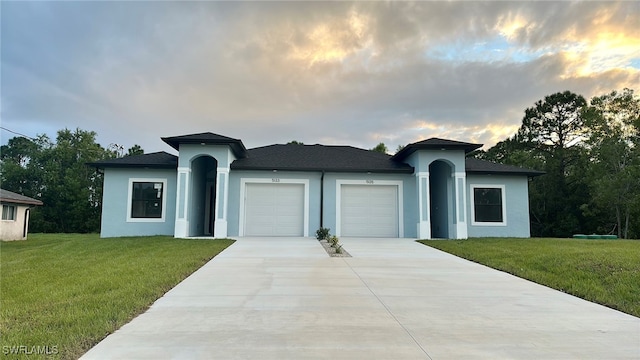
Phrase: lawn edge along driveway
[61,294]
[606,272]
[285,298]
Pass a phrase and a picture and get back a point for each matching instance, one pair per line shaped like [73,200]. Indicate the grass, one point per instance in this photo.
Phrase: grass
[602,271]
[66,292]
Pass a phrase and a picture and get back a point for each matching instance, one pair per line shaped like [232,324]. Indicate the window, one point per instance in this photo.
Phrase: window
[488,205]
[8,212]
[147,199]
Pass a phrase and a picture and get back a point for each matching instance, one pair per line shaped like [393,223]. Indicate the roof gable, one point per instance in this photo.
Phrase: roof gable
[207,138]
[7,196]
[294,157]
[435,144]
[159,159]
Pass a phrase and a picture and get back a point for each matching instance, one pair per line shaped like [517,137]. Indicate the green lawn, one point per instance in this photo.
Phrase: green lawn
[603,271]
[66,292]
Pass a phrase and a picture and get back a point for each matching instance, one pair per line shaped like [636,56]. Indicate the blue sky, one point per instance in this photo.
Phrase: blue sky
[321,72]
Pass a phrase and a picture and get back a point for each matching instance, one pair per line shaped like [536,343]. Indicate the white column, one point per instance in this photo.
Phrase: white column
[461,204]
[222,198]
[181,228]
[424,220]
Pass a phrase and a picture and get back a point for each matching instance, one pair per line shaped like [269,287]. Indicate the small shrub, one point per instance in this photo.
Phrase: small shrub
[322,233]
[333,240]
[338,249]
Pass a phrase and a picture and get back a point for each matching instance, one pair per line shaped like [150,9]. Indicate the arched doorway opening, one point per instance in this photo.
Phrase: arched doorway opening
[441,193]
[202,212]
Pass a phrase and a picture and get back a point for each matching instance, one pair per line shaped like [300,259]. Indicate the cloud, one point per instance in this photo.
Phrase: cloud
[333,72]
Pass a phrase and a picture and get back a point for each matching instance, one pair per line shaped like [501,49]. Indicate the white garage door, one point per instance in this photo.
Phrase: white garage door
[369,210]
[274,209]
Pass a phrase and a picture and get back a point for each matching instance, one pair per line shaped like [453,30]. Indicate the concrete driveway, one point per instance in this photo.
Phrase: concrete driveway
[394,299]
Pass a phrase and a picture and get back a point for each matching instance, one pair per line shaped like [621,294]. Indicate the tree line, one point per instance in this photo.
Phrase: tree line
[590,152]
[56,173]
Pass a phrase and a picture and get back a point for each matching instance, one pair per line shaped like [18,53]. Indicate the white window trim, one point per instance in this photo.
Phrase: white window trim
[274,180]
[15,212]
[130,198]
[473,207]
[369,182]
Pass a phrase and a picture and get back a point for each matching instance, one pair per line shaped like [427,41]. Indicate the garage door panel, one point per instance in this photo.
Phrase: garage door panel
[274,209]
[369,210]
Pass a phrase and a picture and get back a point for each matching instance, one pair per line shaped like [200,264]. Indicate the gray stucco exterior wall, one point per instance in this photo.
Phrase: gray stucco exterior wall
[115,203]
[203,196]
[517,206]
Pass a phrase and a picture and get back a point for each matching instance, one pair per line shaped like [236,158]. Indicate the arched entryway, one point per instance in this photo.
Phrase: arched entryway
[203,196]
[441,195]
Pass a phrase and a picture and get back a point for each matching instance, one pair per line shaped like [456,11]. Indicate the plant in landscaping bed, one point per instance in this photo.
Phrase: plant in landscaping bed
[322,233]
[334,242]
[330,242]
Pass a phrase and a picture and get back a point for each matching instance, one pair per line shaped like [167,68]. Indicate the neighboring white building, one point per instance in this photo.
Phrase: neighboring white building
[216,187]
[15,215]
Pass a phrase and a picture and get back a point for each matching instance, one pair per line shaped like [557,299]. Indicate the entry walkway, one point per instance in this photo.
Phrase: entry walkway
[394,299]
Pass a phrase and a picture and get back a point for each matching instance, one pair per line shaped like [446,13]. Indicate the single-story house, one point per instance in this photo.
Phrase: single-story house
[216,187]
[15,215]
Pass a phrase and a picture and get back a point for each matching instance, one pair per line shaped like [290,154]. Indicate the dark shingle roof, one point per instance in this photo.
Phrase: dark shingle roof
[435,144]
[7,196]
[207,138]
[152,160]
[477,166]
[295,157]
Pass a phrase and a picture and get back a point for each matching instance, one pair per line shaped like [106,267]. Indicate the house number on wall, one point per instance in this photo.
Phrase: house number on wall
[369,182]
[275,180]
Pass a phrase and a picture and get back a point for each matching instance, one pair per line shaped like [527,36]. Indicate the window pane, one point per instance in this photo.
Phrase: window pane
[146,200]
[8,212]
[488,204]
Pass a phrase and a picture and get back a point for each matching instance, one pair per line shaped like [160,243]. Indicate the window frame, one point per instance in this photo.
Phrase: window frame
[129,204]
[14,213]
[472,197]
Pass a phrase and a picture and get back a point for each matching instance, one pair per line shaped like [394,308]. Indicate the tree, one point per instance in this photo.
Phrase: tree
[71,191]
[614,149]
[55,172]
[295,142]
[19,165]
[135,150]
[550,139]
[555,125]
[381,148]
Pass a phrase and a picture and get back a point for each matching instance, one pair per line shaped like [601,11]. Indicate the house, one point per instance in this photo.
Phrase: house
[15,215]
[216,187]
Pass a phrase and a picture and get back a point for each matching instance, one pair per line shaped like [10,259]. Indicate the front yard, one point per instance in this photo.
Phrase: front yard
[60,294]
[603,271]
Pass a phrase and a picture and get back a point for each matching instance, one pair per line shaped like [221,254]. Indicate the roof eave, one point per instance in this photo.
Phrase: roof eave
[411,148]
[521,173]
[337,170]
[129,166]
[236,145]
[21,202]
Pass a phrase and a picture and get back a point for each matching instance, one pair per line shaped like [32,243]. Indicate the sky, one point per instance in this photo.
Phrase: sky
[334,73]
